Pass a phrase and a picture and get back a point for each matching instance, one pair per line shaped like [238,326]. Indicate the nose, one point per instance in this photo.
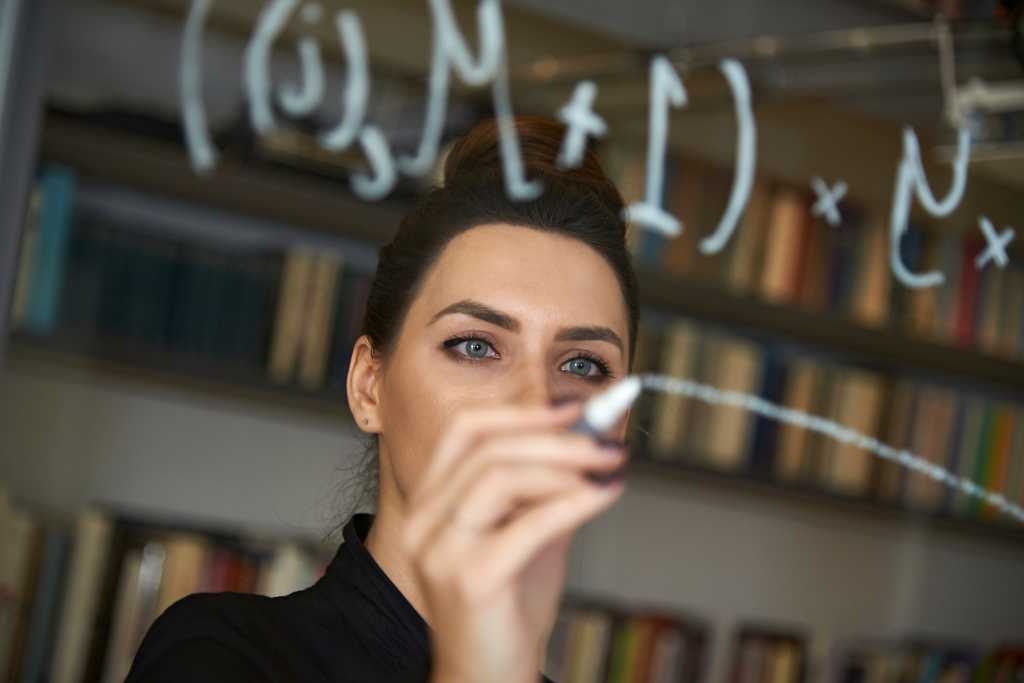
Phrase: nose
[535,387]
[538,385]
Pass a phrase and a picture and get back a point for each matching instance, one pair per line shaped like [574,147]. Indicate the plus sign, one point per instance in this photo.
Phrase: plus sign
[828,200]
[996,250]
[582,121]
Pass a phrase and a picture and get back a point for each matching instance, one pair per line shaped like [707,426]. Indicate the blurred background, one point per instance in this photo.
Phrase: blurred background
[173,345]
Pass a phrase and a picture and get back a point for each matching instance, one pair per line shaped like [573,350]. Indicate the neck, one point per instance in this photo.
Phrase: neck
[382,544]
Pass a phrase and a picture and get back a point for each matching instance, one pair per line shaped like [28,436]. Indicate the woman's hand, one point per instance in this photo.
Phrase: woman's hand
[488,531]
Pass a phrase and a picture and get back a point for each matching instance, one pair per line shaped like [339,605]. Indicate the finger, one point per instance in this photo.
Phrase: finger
[495,497]
[470,426]
[502,488]
[506,552]
[493,467]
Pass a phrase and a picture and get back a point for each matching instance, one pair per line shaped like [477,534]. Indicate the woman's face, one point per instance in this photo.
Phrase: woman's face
[507,315]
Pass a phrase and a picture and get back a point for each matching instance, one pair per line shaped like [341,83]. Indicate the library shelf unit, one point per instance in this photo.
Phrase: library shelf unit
[884,348]
[315,202]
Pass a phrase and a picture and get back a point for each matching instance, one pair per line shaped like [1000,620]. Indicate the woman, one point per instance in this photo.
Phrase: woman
[484,316]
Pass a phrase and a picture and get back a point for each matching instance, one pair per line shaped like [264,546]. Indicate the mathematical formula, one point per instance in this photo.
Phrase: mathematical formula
[451,55]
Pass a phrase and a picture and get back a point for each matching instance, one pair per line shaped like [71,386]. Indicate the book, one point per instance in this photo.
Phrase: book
[726,439]
[999,456]
[26,257]
[873,277]
[18,537]
[49,248]
[290,321]
[744,267]
[990,319]
[896,431]
[684,202]
[679,352]
[859,409]
[967,448]
[184,557]
[46,605]
[1010,343]
[667,656]
[78,615]
[782,249]
[800,391]
[716,185]
[319,322]
[812,286]
[121,646]
[933,424]
[969,292]
[765,430]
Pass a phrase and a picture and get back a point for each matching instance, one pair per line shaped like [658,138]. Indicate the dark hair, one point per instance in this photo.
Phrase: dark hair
[581,203]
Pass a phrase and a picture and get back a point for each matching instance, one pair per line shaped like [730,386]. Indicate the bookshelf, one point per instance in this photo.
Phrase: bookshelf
[884,348]
[192,375]
[281,207]
[301,206]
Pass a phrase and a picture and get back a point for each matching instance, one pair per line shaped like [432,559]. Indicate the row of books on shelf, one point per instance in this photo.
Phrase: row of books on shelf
[77,597]
[597,641]
[783,253]
[881,662]
[974,437]
[290,315]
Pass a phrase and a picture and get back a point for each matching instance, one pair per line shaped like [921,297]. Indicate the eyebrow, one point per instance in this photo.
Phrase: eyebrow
[590,333]
[484,312]
[479,311]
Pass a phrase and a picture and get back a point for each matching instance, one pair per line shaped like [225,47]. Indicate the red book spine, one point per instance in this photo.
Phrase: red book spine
[967,302]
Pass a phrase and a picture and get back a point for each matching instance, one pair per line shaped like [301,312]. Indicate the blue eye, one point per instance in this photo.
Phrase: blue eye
[472,347]
[584,367]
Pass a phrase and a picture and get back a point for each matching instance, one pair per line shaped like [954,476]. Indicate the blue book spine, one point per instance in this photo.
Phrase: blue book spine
[58,190]
[953,454]
[765,430]
[46,607]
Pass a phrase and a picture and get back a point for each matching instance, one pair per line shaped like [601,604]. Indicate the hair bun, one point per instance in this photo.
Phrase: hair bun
[477,156]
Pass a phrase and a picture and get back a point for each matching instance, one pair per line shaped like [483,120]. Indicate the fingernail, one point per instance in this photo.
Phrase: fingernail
[609,442]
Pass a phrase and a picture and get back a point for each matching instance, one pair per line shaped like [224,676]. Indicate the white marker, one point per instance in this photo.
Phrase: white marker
[603,410]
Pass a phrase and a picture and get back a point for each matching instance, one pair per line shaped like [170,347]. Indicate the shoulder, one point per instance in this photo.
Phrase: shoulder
[205,637]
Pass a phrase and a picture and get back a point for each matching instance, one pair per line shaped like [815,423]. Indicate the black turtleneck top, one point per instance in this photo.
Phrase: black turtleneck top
[352,625]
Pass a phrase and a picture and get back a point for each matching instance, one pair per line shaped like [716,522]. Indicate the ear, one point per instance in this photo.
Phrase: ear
[363,386]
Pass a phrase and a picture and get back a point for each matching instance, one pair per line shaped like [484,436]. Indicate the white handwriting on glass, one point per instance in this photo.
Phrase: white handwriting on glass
[451,54]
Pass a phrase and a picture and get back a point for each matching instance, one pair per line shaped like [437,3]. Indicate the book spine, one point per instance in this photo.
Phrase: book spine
[50,251]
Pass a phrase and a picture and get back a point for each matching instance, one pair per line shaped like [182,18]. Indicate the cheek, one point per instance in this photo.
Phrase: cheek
[422,390]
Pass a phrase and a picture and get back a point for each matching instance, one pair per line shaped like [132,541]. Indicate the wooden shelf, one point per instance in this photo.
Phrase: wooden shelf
[158,368]
[883,348]
[688,469]
[249,186]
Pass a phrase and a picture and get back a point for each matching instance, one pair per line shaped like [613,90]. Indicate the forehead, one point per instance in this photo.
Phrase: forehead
[530,274]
